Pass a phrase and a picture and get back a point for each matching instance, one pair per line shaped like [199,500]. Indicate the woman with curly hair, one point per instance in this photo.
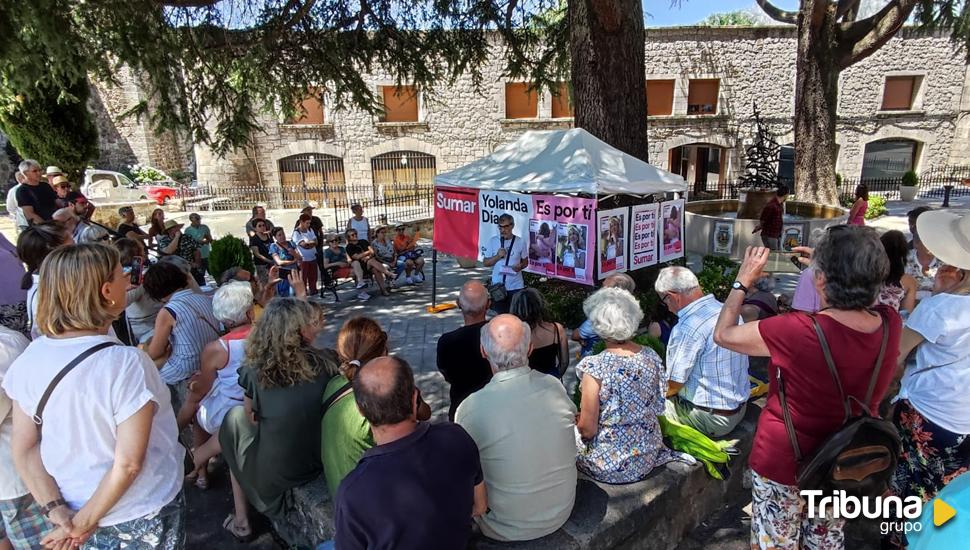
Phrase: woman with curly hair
[272,443]
[344,433]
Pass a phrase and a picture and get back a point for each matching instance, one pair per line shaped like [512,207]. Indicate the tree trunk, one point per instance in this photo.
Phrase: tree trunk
[608,72]
[816,102]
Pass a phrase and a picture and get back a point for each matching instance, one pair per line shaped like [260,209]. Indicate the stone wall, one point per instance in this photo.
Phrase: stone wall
[756,66]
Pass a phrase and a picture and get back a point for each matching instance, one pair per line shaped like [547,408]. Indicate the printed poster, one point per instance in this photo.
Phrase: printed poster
[723,238]
[644,233]
[493,204]
[560,237]
[792,235]
[611,228]
[672,222]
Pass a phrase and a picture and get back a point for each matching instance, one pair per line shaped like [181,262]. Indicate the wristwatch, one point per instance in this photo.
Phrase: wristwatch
[738,286]
[50,506]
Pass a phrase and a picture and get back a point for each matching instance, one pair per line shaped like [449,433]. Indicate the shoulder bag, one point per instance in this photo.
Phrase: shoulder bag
[38,417]
[859,457]
[497,291]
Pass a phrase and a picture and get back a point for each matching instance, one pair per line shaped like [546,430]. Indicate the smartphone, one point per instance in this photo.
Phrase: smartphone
[137,264]
[798,264]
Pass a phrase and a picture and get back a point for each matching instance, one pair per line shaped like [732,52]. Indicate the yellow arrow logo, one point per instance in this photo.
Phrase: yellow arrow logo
[942,512]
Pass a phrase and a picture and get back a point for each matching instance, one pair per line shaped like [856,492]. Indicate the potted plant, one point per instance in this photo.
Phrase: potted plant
[909,186]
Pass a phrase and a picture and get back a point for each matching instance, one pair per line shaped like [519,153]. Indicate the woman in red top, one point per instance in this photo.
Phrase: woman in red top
[850,267]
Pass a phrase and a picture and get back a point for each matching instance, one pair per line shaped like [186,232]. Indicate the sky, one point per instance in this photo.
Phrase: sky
[660,13]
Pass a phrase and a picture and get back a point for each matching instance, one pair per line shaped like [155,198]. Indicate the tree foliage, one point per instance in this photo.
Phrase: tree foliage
[738,18]
[211,66]
[52,125]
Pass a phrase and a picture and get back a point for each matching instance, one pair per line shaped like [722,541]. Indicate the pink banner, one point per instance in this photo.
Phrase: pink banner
[561,233]
[456,221]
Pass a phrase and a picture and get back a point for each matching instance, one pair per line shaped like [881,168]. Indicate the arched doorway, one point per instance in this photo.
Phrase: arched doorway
[889,159]
[312,177]
[700,164]
[403,177]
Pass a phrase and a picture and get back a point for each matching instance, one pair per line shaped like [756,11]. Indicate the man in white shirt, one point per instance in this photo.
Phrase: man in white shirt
[707,385]
[524,425]
[507,255]
[12,207]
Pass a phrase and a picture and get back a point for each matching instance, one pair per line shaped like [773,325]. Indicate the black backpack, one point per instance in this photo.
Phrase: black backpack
[858,458]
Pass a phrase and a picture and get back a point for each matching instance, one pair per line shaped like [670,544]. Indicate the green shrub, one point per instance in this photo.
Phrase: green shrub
[846,200]
[717,275]
[564,300]
[877,207]
[910,179]
[229,252]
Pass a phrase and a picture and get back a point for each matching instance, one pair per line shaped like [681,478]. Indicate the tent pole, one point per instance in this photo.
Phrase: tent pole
[434,277]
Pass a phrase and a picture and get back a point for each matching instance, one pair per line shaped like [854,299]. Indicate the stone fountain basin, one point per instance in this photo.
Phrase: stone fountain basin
[701,217]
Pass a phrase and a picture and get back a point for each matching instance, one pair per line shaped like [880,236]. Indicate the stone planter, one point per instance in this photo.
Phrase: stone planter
[467,263]
[908,192]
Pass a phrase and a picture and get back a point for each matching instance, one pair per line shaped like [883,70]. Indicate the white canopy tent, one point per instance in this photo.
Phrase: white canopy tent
[562,161]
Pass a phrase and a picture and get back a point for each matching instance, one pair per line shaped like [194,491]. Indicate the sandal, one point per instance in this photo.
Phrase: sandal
[241,536]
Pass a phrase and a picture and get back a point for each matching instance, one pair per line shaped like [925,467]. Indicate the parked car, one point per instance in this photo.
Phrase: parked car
[116,187]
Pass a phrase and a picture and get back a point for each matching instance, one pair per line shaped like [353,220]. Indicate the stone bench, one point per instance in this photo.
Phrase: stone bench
[655,513]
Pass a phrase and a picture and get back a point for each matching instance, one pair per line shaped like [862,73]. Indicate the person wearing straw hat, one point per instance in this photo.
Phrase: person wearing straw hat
[51,173]
[174,242]
[933,406]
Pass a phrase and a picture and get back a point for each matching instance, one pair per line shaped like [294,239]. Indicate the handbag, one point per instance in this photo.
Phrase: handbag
[497,291]
[858,458]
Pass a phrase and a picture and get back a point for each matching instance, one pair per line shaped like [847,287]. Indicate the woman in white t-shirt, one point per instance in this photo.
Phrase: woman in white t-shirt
[933,406]
[305,240]
[109,467]
[33,245]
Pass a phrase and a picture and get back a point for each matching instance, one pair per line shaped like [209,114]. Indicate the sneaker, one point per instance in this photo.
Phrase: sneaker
[363,296]
[419,277]
[361,285]
[408,281]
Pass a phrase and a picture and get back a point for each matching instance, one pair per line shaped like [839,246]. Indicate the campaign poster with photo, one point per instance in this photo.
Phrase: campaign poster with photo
[493,204]
[672,237]
[611,233]
[543,239]
[644,233]
[723,238]
[569,220]
[792,235]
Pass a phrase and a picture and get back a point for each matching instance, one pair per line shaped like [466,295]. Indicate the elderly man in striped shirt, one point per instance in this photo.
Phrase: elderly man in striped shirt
[707,385]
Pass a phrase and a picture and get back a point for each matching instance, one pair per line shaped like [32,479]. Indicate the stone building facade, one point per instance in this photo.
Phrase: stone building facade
[751,67]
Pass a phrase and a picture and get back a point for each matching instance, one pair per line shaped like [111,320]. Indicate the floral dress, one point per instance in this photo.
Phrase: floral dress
[628,443]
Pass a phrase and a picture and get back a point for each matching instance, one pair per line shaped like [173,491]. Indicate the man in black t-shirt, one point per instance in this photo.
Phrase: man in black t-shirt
[128,228]
[459,351]
[433,468]
[36,198]
[360,251]
[259,245]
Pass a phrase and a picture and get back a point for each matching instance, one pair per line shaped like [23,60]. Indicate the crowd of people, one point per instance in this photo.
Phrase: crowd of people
[103,369]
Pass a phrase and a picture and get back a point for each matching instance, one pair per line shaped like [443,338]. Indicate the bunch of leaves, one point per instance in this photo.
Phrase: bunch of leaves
[910,179]
[716,276]
[564,300]
[229,252]
[145,174]
[51,125]
[877,207]
[846,200]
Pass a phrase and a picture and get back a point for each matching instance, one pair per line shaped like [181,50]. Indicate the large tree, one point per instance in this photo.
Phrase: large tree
[211,66]
[832,37]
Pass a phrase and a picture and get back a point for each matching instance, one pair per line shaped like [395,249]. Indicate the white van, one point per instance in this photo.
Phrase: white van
[112,187]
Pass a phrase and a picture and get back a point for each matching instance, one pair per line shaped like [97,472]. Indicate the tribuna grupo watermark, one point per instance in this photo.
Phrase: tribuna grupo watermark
[898,514]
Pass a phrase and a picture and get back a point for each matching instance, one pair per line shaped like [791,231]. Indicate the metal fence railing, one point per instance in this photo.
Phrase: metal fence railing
[932,186]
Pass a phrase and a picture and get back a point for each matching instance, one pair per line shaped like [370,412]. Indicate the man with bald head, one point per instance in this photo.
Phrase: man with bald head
[459,358]
[420,485]
[585,334]
[523,423]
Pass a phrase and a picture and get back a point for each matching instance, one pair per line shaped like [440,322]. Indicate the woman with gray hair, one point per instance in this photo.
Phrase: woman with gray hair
[623,387]
[850,266]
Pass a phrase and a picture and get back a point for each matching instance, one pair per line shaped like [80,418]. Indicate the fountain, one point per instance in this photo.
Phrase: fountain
[724,227]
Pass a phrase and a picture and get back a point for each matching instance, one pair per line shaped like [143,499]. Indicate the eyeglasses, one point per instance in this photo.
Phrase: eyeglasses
[504,225]
[663,298]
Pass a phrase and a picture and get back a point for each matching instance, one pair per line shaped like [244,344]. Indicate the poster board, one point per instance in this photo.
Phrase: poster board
[792,235]
[612,236]
[561,238]
[722,239]
[672,230]
[643,251]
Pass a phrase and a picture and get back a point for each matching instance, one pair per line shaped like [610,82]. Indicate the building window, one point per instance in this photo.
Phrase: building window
[400,103]
[660,97]
[520,101]
[889,158]
[405,176]
[310,109]
[702,164]
[899,92]
[702,96]
[312,177]
[562,105]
